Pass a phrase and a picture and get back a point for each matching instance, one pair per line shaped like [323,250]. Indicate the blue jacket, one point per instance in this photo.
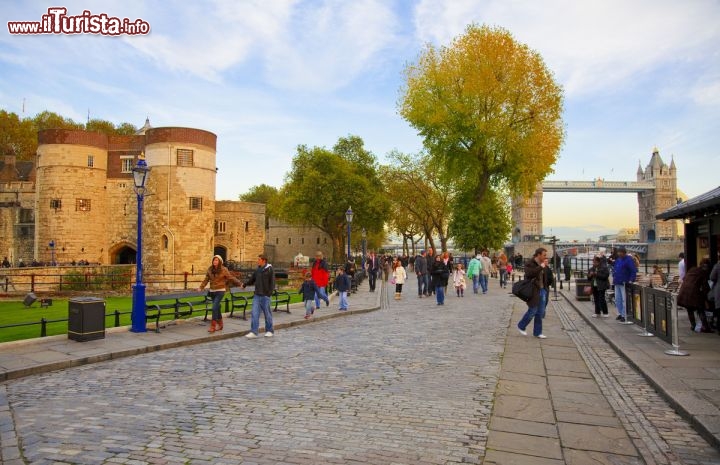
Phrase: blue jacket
[308,289]
[342,282]
[624,270]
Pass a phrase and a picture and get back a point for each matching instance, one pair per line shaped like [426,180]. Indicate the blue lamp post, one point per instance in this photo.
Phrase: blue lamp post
[349,218]
[137,316]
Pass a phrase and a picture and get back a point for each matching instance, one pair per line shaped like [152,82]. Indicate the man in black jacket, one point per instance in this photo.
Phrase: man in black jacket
[535,270]
[264,280]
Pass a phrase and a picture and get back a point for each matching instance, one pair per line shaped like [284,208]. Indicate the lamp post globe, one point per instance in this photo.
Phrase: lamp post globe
[349,217]
[137,316]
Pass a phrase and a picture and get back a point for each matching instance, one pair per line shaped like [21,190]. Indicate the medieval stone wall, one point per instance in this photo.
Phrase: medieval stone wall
[240,229]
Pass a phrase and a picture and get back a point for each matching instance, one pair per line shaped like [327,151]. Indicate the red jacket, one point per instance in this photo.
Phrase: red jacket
[320,273]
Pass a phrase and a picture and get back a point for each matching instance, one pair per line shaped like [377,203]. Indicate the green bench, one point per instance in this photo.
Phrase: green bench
[177,305]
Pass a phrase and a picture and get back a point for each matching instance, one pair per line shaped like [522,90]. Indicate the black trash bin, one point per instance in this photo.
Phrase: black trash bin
[86,319]
[581,289]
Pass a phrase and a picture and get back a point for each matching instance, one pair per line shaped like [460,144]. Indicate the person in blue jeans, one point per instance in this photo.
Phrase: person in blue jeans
[624,271]
[342,285]
[440,274]
[264,280]
[535,270]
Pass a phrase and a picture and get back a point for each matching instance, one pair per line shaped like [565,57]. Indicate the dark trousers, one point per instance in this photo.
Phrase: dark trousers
[372,278]
[600,302]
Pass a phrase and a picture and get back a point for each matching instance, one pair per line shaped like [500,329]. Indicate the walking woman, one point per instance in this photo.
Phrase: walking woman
[599,276]
[219,277]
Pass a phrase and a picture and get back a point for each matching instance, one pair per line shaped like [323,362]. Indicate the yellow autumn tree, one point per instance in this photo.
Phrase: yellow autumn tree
[488,109]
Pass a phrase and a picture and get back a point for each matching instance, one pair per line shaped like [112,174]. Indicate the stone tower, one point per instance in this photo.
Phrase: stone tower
[71,209]
[653,202]
[179,208]
[527,218]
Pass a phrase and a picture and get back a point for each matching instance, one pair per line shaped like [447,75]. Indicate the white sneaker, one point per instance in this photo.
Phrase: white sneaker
[594,315]
[605,315]
[250,335]
[268,334]
[524,333]
[542,336]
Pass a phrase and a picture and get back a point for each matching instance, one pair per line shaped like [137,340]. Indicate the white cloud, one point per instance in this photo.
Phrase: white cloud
[328,46]
[591,46]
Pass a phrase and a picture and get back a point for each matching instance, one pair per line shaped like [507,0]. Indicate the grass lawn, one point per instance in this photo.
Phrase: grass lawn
[14,312]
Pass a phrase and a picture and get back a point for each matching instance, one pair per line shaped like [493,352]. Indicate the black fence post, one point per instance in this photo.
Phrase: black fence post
[43,327]
[117,318]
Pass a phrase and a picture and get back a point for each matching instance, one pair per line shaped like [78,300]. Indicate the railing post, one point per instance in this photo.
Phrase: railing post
[645,312]
[675,336]
[117,318]
[43,327]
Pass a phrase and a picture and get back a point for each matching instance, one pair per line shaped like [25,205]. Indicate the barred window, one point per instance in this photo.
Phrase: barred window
[185,157]
[220,227]
[91,161]
[55,204]
[126,164]
[82,205]
[195,203]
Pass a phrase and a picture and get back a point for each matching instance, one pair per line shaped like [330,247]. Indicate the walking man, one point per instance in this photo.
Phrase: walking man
[624,271]
[264,280]
[373,266]
[535,270]
[421,271]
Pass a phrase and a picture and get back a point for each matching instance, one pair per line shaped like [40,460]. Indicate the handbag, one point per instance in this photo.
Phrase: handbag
[587,290]
[523,289]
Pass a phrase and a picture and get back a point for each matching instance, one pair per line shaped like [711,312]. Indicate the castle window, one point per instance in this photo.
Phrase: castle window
[55,204]
[277,240]
[195,203]
[302,241]
[289,240]
[91,161]
[220,227]
[82,205]
[247,226]
[126,164]
[185,157]
[165,242]
[27,215]
[318,241]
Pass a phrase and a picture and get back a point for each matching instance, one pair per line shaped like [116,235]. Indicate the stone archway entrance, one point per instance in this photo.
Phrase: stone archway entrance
[123,255]
[221,251]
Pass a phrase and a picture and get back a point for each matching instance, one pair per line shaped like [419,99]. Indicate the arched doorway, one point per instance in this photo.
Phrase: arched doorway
[123,255]
[222,251]
[651,235]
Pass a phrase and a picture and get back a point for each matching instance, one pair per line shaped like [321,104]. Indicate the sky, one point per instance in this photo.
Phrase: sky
[267,76]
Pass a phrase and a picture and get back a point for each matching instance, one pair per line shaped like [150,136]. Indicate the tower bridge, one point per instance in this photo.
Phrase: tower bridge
[656,189]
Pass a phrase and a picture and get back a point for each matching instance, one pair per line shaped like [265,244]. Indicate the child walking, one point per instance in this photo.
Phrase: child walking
[308,289]
[459,280]
[399,276]
[343,285]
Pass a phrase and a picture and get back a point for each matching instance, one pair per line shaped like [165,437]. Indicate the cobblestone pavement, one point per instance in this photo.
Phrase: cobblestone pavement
[411,383]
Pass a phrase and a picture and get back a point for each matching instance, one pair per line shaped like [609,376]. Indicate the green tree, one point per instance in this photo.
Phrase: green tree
[268,195]
[323,183]
[417,190]
[488,109]
[17,136]
[476,226]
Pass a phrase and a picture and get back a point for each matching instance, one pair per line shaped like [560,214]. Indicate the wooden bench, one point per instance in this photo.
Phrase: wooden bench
[177,305]
[279,298]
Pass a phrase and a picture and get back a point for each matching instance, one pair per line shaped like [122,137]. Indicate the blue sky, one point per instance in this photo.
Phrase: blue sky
[266,76]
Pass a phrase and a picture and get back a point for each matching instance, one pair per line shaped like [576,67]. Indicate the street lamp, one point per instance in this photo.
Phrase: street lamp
[140,175]
[349,217]
[364,243]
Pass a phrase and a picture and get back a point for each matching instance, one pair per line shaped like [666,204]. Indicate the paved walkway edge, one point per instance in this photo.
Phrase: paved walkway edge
[79,361]
[684,402]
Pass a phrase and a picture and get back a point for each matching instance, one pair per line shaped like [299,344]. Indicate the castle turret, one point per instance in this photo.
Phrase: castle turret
[71,208]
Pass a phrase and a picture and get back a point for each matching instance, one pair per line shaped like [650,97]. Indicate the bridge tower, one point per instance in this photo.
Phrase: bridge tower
[527,217]
[653,202]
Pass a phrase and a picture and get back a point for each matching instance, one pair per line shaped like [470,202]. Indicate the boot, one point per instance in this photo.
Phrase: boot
[219,325]
[212,327]
[397,296]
